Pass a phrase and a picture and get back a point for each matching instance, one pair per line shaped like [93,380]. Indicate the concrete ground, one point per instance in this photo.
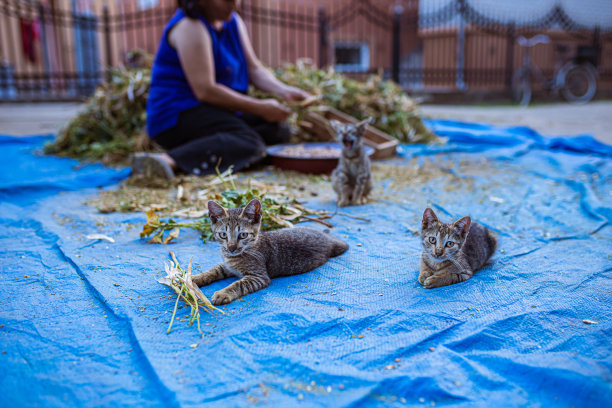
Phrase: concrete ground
[23,119]
[560,119]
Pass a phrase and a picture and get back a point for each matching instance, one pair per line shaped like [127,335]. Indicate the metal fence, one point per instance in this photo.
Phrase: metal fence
[51,52]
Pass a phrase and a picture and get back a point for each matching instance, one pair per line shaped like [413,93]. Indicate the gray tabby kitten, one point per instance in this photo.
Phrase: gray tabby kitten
[352,180]
[452,252]
[255,257]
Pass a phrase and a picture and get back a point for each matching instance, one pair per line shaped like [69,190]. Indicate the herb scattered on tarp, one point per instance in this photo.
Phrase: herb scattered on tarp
[181,282]
[277,213]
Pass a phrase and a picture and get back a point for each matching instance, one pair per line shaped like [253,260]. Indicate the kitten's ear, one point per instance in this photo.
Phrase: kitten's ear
[252,211]
[429,219]
[336,125]
[215,211]
[361,126]
[463,225]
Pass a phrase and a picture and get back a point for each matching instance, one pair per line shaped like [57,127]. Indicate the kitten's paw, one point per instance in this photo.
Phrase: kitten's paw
[423,275]
[221,298]
[201,280]
[434,282]
[343,203]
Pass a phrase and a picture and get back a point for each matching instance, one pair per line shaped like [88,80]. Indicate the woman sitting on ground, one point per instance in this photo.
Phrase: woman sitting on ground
[198,109]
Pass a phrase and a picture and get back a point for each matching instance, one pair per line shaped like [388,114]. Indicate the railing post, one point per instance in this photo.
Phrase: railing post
[395,63]
[45,49]
[510,55]
[323,38]
[460,80]
[597,44]
[107,42]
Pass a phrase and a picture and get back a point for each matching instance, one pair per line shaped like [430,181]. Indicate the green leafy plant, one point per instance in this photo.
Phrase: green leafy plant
[277,213]
[393,110]
[111,126]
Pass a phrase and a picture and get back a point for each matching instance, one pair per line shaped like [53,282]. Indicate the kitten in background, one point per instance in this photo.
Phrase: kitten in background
[352,180]
[255,257]
[452,252]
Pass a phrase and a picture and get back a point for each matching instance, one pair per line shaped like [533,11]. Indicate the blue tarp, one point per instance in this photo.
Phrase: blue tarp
[83,323]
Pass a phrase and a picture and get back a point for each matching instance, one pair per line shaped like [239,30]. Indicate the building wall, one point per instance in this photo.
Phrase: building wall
[281,31]
[359,27]
[439,57]
[132,27]
[486,53]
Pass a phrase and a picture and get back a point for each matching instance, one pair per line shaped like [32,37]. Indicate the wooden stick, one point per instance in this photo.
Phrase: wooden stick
[353,216]
[327,224]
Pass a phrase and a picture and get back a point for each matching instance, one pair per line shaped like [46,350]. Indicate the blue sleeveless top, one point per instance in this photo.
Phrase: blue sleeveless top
[170,93]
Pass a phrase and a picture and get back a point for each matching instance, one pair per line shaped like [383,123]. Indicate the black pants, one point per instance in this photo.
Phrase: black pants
[207,136]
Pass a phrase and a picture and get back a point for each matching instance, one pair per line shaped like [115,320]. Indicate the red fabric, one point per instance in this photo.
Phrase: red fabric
[29,36]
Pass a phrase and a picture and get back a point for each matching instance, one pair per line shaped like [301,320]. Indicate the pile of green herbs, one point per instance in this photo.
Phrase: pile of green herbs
[393,111]
[112,124]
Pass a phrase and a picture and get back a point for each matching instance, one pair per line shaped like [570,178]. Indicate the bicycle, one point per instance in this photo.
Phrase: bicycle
[575,78]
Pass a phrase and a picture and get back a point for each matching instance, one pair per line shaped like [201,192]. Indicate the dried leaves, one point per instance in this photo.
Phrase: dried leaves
[154,225]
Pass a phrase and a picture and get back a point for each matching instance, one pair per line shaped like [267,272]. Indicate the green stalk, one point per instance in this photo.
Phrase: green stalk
[175,307]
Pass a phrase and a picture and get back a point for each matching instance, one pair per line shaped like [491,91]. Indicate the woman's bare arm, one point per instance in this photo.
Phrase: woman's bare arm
[261,77]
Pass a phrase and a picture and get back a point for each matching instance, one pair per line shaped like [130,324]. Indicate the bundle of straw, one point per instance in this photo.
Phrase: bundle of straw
[181,282]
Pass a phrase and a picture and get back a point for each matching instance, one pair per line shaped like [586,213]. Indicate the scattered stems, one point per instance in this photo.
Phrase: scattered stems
[226,173]
[155,225]
[181,282]
[319,220]
[353,216]
[277,213]
[174,311]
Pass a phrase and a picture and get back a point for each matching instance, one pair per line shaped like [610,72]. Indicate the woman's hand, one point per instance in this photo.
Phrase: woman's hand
[294,95]
[273,111]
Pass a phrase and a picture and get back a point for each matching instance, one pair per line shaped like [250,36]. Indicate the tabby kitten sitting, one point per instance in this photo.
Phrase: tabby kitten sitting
[255,257]
[452,252]
[352,180]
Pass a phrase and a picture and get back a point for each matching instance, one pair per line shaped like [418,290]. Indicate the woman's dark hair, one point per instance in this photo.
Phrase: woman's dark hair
[190,7]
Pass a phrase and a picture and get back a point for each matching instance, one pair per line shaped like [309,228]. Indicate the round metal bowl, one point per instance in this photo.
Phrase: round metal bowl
[305,162]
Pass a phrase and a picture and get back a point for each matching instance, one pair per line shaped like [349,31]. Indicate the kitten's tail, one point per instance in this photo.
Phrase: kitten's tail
[491,243]
[338,246]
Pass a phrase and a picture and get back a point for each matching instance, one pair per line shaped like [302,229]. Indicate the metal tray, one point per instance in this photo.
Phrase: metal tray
[307,164]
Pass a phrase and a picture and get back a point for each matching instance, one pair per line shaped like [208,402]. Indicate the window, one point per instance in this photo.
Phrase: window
[351,57]
[145,4]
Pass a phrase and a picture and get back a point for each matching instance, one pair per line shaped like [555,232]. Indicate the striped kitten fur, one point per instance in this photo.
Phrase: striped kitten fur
[452,252]
[255,257]
[352,180]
